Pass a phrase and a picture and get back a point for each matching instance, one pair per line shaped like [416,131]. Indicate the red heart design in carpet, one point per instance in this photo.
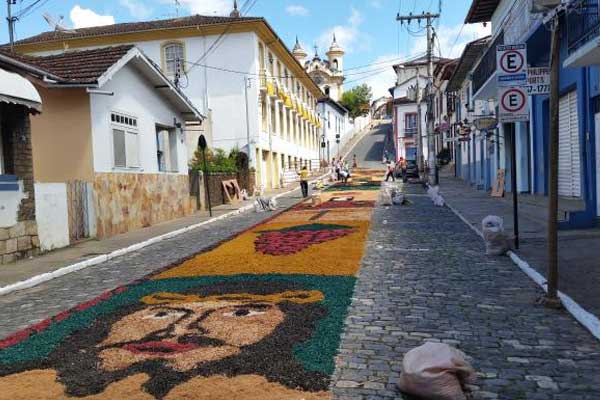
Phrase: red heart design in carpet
[287,241]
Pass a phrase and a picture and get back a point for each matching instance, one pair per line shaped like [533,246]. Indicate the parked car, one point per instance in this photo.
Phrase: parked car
[411,169]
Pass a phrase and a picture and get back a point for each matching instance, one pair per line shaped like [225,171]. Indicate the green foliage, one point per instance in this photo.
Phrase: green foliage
[218,161]
[357,100]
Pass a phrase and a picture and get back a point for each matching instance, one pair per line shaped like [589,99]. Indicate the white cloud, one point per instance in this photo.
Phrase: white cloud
[384,77]
[84,18]
[451,44]
[206,7]
[297,10]
[136,8]
[349,36]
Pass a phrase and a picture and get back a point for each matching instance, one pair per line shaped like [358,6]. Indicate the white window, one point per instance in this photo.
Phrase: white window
[174,57]
[166,144]
[125,140]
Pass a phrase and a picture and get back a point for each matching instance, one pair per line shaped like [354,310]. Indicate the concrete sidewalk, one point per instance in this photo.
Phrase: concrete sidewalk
[579,271]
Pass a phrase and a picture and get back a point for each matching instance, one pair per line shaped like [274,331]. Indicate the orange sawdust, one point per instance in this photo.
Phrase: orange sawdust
[355,195]
[43,385]
[341,256]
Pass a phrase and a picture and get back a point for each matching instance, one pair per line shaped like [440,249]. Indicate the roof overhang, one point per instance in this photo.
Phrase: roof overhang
[469,57]
[17,90]
[481,11]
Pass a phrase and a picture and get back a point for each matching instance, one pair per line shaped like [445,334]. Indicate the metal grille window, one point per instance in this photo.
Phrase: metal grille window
[174,57]
[125,141]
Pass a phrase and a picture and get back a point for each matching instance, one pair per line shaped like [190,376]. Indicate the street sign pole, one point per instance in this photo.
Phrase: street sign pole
[513,183]
[202,145]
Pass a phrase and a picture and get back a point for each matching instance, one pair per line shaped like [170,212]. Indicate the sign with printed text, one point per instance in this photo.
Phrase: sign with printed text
[511,65]
[538,81]
[514,104]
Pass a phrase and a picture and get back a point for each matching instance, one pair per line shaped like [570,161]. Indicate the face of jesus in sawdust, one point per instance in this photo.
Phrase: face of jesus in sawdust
[188,334]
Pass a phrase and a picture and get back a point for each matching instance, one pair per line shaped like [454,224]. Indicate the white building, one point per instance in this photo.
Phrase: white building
[336,127]
[109,151]
[410,86]
[215,60]
[328,74]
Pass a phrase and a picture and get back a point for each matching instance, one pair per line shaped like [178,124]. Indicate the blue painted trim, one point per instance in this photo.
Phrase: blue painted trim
[9,187]
[8,178]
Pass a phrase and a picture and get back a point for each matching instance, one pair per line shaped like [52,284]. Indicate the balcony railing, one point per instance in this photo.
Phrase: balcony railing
[583,23]
[409,132]
[487,66]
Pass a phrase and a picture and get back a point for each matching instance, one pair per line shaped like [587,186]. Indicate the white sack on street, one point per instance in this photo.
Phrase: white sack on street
[496,240]
[435,371]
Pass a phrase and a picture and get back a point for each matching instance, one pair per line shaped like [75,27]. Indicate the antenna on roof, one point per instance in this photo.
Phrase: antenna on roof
[57,25]
[177,5]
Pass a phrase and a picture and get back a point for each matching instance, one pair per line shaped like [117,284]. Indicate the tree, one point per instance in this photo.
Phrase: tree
[357,100]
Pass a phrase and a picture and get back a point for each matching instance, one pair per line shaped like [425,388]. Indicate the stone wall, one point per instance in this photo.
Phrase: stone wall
[20,240]
[125,202]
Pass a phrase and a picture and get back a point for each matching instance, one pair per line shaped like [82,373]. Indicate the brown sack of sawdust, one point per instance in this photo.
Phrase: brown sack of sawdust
[435,371]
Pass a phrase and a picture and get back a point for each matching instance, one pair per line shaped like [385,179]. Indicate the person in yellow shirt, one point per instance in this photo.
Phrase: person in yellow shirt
[304,174]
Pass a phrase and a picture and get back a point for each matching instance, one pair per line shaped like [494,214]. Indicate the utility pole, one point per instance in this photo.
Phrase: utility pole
[11,24]
[428,18]
[551,299]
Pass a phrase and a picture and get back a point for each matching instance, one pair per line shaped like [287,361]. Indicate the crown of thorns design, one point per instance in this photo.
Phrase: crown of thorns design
[292,296]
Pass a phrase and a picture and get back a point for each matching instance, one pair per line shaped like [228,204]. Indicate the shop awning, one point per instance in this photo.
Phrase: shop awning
[17,90]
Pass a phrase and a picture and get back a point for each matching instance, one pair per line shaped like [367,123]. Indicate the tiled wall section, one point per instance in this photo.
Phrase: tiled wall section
[131,201]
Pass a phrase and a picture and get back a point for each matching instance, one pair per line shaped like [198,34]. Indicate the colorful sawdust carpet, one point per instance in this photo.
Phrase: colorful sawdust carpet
[257,317]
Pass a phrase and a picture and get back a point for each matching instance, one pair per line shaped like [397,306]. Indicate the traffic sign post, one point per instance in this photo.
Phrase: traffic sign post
[513,104]
[538,81]
[511,65]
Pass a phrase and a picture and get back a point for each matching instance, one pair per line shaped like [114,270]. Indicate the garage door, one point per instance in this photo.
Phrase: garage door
[569,162]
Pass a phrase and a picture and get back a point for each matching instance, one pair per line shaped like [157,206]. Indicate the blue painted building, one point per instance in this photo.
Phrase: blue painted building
[579,108]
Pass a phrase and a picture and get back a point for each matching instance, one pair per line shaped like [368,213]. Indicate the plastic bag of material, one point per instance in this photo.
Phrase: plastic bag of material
[273,204]
[244,194]
[386,197]
[496,240]
[435,371]
[438,200]
[433,191]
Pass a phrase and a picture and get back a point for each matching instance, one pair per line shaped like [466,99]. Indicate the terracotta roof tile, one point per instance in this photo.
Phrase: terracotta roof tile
[77,66]
[183,22]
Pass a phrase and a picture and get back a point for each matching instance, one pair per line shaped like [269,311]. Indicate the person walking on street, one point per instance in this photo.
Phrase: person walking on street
[354,162]
[304,181]
[390,172]
[403,168]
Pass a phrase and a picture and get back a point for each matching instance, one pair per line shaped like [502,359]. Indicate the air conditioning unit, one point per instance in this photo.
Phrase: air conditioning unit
[544,6]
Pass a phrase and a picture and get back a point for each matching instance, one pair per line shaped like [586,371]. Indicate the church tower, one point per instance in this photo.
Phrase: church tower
[336,56]
[235,13]
[299,53]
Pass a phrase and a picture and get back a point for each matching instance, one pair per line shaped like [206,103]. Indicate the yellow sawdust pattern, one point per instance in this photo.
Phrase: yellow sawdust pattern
[337,257]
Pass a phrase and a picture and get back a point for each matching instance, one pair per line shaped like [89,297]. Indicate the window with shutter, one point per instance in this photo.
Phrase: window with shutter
[125,141]
[569,160]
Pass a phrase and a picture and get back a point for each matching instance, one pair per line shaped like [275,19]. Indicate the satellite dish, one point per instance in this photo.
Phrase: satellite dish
[57,25]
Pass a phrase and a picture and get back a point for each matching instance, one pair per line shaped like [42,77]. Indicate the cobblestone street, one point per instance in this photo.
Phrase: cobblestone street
[425,277]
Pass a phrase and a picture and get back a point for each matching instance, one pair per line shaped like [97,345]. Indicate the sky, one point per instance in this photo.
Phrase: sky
[366,29]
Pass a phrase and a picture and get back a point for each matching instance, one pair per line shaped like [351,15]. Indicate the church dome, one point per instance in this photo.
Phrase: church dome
[298,51]
[335,47]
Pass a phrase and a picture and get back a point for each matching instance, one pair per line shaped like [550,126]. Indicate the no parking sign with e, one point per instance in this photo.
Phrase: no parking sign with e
[511,64]
[514,104]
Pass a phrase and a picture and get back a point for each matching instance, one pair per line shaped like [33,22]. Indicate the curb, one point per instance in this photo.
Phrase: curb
[584,317]
[38,279]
